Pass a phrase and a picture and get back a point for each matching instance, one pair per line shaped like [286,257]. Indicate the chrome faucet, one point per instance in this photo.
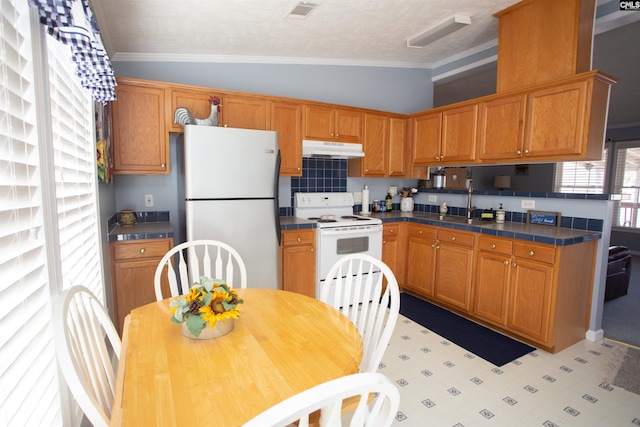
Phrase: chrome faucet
[470,208]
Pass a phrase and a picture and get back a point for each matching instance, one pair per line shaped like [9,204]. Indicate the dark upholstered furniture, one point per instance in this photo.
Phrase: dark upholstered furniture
[618,272]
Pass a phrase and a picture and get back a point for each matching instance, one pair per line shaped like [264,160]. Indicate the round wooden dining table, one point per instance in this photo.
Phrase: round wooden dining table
[283,343]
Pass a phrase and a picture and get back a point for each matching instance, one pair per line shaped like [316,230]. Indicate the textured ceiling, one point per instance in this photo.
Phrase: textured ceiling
[355,32]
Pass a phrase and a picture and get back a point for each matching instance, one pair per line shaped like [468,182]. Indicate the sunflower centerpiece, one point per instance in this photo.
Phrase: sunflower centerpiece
[209,303]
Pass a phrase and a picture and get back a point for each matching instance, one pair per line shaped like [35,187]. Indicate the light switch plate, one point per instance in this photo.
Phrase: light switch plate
[148,200]
[393,190]
[357,196]
[433,198]
[528,204]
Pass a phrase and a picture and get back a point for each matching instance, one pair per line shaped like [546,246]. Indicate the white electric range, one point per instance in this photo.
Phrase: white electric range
[339,231]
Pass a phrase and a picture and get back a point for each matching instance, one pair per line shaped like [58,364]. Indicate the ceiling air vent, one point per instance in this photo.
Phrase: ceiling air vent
[302,10]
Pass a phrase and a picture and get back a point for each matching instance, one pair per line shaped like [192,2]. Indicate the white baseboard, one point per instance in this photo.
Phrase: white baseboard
[594,336]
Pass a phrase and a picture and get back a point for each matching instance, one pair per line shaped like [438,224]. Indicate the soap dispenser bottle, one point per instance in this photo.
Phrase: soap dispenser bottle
[500,215]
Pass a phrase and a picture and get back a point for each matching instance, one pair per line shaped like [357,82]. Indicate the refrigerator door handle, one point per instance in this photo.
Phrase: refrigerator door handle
[276,205]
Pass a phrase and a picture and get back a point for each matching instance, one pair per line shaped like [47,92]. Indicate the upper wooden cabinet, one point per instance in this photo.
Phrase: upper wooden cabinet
[384,146]
[446,136]
[286,119]
[244,112]
[140,141]
[331,124]
[543,40]
[501,128]
[235,111]
[397,147]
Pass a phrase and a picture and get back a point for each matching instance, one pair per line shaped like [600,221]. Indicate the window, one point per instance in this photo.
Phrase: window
[49,236]
[627,183]
[585,177]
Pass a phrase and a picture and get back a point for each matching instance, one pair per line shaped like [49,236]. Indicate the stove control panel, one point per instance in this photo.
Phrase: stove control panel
[314,200]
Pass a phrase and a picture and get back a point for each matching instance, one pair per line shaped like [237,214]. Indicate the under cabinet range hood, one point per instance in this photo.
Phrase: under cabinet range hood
[334,150]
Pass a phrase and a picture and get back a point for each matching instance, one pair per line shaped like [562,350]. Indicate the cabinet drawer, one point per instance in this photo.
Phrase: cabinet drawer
[457,237]
[494,244]
[298,237]
[140,249]
[388,230]
[537,252]
[423,231]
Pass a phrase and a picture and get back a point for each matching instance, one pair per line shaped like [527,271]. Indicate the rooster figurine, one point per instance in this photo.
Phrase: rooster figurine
[184,117]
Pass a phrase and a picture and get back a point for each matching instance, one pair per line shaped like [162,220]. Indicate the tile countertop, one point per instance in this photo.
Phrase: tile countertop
[141,230]
[535,233]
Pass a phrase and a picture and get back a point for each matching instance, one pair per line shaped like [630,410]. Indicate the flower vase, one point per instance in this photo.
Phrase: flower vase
[222,327]
[406,204]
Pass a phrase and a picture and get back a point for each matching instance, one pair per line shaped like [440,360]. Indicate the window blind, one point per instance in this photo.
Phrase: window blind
[584,177]
[28,384]
[626,212]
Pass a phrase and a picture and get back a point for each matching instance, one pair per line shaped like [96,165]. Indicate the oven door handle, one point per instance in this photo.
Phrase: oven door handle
[342,232]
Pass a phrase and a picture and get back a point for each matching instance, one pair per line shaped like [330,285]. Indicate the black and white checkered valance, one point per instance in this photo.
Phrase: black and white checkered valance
[73,23]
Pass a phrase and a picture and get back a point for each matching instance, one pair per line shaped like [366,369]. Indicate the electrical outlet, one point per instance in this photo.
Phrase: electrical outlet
[433,198]
[393,190]
[357,196]
[528,204]
[148,200]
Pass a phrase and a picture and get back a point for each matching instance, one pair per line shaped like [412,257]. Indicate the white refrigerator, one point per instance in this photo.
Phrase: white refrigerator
[231,195]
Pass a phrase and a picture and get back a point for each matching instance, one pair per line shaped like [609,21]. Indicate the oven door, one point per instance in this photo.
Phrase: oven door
[335,243]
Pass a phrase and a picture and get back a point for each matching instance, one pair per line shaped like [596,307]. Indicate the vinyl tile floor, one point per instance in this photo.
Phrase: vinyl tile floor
[442,384]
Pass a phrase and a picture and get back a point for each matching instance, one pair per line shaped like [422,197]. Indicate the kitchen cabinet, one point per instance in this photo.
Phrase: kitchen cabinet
[331,124]
[140,141]
[384,147]
[397,147]
[543,40]
[534,291]
[421,259]
[454,267]
[133,266]
[394,250]
[286,119]
[298,261]
[446,136]
[195,100]
[501,128]
[244,112]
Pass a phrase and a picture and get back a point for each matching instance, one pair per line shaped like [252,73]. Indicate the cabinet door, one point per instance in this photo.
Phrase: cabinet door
[140,141]
[491,287]
[530,299]
[286,119]
[454,266]
[318,123]
[298,270]
[244,112]
[348,125]
[394,250]
[554,123]
[421,259]
[397,147]
[376,135]
[427,130]
[459,134]
[501,128]
[196,102]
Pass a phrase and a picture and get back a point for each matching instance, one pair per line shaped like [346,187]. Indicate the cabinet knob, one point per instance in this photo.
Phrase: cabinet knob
[337,135]
[226,125]
[518,152]
[438,247]
[514,265]
[142,250]
[384,241]
[299,240]
[419,231]
[506,262]
[311,249]
[453,238]
[526,151]
[493,246]
[433,245]
[163,166]
[298,168]
[366,171]
[530,253]
[437,157]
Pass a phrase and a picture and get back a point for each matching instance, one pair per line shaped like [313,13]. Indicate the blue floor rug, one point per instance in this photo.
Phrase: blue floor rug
[479,340]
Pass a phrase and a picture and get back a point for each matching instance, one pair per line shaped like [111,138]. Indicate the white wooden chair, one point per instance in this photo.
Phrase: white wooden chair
[209,258]
[80,324]
[374,319]
[328,398]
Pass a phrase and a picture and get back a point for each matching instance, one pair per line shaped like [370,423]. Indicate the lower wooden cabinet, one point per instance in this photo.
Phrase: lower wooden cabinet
[421,259]
[298,261]
[133,265]
[534,291]
[454,268]
[394,250]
